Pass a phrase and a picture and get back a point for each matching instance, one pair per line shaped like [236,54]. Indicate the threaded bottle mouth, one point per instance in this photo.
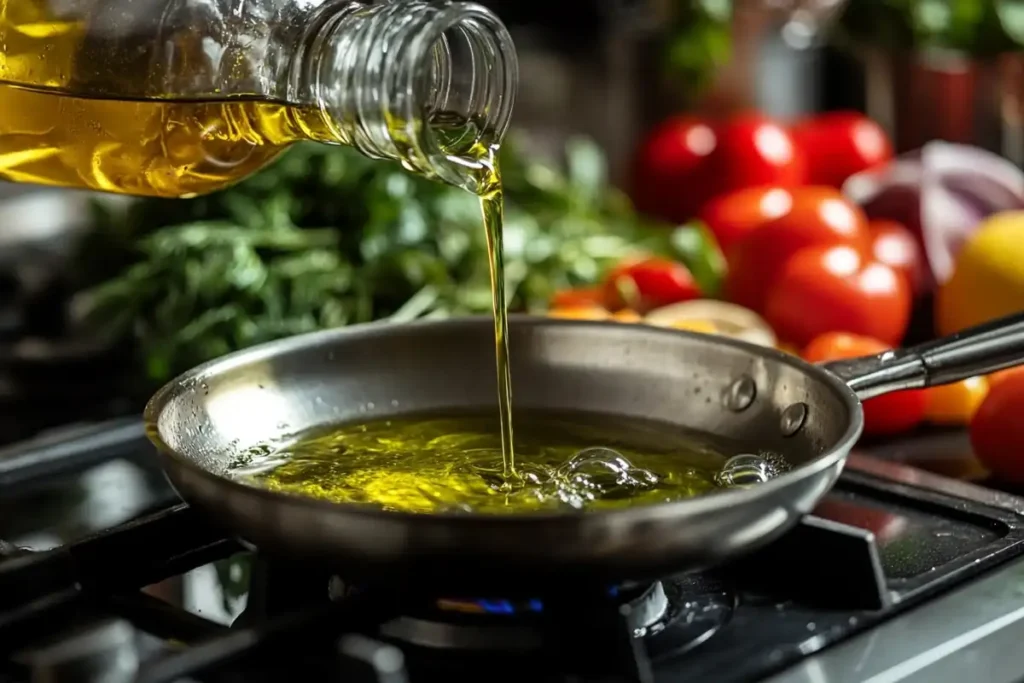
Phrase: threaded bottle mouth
[468,87]
[431,84]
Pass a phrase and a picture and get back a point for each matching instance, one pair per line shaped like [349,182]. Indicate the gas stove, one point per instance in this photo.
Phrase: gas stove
[106,576]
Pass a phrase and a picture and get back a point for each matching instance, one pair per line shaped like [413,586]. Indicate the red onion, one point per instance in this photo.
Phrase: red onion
[941,192]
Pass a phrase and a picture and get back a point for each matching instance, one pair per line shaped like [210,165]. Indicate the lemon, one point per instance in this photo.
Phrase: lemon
[988,279]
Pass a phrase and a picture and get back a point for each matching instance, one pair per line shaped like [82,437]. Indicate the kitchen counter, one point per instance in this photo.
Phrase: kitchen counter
[973,633]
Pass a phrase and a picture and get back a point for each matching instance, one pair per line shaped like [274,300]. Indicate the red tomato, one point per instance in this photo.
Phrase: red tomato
[578,298]
[997,377]
[730,217]
[666,181]
[839,144]
[753,150]
[888,414]
[997,430]
[896,247]
[837,289]
[648,284]
[818,216]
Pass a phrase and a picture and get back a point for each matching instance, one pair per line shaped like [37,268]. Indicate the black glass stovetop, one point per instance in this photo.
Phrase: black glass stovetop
[124,583]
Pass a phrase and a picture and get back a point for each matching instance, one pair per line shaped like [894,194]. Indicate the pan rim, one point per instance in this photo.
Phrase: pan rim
[697,505]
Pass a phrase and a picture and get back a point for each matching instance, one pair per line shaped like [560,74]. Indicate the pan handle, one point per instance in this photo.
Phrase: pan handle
[975,351]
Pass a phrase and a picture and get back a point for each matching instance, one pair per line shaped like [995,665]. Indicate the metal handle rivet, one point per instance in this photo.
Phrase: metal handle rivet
[740,394]
[793,419]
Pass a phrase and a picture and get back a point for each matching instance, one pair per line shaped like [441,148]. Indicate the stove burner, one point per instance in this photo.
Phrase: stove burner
[508,625]
[669,616]
[754,619]
[621,630]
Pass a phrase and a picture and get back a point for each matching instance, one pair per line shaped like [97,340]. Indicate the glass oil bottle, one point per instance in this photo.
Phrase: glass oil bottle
[177,98]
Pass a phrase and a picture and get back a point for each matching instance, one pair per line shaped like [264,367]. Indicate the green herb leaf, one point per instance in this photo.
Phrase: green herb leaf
[326,237]
[697,249]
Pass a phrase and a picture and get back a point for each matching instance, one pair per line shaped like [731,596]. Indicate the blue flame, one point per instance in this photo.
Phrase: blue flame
[497,606]
[510,607]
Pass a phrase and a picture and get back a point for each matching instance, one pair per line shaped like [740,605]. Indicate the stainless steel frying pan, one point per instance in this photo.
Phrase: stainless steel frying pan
[206,418]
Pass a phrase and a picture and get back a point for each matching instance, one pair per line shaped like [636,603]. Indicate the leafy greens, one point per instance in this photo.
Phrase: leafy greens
[326,237]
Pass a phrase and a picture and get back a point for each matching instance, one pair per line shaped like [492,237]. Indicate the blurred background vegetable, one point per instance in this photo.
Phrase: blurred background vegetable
[987,27]
[941,192]
[326,238]
[699,42]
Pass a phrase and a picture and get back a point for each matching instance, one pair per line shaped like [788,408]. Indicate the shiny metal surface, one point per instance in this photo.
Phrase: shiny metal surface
[960,636]
[977,351]
[203,420]
[930,481]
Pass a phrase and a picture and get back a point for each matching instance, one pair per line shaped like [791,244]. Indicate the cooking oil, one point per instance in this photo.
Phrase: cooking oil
[183,149]
[452,463]
[56,131]
[492,208]
[178,99]
[142,147]
[73,114]
[177,148]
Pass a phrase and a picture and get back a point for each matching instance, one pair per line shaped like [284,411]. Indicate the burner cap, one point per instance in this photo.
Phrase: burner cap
[669,615]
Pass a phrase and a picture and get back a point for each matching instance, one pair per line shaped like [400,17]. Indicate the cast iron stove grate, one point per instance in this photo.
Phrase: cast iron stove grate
[876,546]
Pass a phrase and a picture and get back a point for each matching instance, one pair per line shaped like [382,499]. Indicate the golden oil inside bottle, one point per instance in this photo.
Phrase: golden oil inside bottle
[54,132]
[452,462]
[65,119]
[141,147]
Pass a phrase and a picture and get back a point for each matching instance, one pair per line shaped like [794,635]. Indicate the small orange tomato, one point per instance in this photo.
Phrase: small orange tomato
[884,415]
[955,404]
[627,315]
[580,313]
[580,297]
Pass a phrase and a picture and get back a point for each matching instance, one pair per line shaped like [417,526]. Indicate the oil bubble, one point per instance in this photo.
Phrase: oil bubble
[600,472]
[744,470]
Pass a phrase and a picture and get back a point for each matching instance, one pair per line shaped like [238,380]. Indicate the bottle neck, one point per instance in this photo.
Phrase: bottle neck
[430,84]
